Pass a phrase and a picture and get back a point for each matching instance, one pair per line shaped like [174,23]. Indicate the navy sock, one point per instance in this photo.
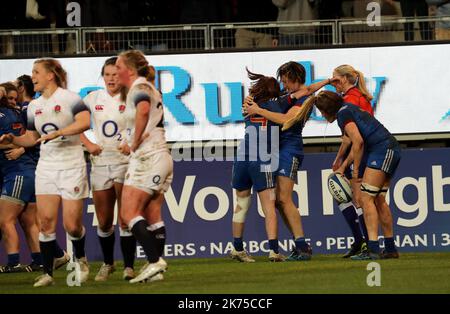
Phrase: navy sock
[107,244]
[48,254]
[374,247]
[362,223]
[78,246]
[128,247]
[389,245]
[301,245]
[351,217]
[146,240]
[13,259]
[36,258]
[160,238]
[238,244]
[273,245]
[58,251]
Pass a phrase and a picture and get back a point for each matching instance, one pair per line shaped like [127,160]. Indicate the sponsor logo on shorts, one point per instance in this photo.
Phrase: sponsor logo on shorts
[156,179]
[373,163]
[76,189]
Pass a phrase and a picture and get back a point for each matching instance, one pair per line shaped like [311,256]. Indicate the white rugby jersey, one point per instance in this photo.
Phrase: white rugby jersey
[109,126]
[142,90]
[46,115]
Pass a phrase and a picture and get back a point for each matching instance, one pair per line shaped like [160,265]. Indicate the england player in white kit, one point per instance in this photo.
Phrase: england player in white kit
[150,169]
[109,163]
[55,120]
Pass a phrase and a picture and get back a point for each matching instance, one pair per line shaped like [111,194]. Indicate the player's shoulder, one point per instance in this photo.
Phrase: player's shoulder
[144,87]
[3,113]
[68,96]
[93,95]
[33,103]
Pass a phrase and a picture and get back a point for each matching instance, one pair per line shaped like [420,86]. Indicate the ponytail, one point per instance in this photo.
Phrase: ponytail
[303,115]
[361,85]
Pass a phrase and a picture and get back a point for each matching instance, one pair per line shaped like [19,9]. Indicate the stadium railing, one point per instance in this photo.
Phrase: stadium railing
[39,42]
[104,40]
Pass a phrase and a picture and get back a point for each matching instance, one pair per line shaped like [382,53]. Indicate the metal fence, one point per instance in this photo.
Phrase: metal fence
[39,42]
[48,42]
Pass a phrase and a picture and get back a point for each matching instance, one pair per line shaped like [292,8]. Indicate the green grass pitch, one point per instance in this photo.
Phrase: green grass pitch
[412,273]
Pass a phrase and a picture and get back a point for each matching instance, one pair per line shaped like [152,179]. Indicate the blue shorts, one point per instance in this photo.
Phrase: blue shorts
[248,174]
[386,160]
[289,164]
[348,171]
[19,188]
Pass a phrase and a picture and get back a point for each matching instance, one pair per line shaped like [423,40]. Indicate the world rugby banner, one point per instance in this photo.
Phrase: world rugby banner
[199,207]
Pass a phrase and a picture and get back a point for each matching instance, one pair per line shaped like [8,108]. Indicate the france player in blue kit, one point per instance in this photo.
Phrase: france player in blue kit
[367,135]
[253,168]
[292,75]
[17,201]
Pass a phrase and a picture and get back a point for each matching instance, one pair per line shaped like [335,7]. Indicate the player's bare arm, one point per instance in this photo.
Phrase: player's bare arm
[81,124]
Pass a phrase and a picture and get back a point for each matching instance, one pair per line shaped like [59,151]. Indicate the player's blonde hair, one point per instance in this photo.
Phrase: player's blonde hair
[53,66]
[135,59]
[327,101]
[354,77]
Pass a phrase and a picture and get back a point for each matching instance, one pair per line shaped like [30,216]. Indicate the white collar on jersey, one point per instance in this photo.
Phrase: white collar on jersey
[139,80]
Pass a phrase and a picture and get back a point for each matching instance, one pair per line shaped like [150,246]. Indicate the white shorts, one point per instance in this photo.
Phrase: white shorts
[150,172]
[104,177]
[71,184]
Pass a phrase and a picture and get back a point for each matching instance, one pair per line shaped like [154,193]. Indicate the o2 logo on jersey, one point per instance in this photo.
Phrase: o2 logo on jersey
[50,128]
[110,128]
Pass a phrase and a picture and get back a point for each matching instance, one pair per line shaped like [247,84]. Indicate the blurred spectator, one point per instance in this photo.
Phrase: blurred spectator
[204,11]
[254,11]
[150,12]
[442,31]
[296,11]
[411,8]
[13,17]
[200,12]
[328,10]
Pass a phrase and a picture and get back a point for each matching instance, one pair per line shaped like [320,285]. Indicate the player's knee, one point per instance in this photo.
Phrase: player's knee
[46,224]
[380,200]
[27,220]
[73,229]
[124,218]
[240,213]
[105,227]
[282,201]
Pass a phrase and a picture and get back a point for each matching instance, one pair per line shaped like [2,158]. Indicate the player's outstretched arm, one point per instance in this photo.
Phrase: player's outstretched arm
[82,123]
[276,117]
[311,89]
[26,140]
